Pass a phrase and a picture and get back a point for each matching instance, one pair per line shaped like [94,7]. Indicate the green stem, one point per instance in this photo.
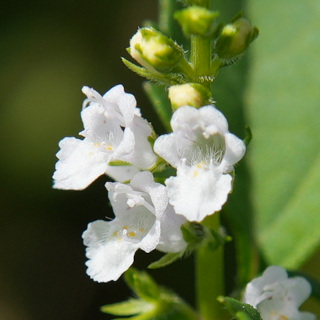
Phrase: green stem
[167,24]
[210,276]
[201,58]
[166,10]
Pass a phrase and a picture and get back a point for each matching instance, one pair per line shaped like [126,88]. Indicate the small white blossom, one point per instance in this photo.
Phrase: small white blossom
[204,152]
[143,220]
[278,297]
[113,130]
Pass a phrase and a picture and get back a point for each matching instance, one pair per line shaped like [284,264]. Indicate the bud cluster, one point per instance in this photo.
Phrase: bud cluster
[165,62]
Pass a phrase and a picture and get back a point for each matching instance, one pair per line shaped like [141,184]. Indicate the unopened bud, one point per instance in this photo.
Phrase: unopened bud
[196,21]
[189,94]
[155,51]
[235,38]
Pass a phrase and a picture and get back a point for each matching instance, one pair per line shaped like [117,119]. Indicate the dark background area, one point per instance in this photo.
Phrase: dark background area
[48,51]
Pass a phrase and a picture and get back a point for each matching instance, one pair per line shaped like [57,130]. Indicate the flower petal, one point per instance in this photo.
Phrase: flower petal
[197,192]
[121,173]
[165,146]
[300,290]
[276,296]
[108,258]
[235,150]
[144,182]
[136,148]
[255,289]
[122,102]
[80,163]
[171,238]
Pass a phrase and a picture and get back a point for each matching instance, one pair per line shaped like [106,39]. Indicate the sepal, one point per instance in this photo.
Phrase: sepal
[155,51]
[196,20]
[119,163]
[234,39]
[166,79]
[195,235]
[189,94]
[156,77]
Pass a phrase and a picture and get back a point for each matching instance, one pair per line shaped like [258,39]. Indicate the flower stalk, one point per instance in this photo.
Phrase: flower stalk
[201,58]
[210,276]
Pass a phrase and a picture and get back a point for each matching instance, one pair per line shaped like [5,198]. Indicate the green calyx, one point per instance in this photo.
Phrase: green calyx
[235,38]
[191,94]
[196,20]
[155,51]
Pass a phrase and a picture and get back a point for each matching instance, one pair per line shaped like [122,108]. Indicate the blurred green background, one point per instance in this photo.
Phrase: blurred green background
[48,51]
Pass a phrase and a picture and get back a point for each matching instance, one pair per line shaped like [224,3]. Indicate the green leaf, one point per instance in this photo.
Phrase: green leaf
[154,302]
[240,315]
[247,139]
[166,260]
[160,102]
[162,172]
[240,310]
[142,284]
[283,104]
[127,308]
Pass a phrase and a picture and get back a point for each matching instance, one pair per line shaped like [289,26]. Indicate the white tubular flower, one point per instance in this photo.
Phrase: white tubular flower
[278,297]
[139,211]
[204,152]
[113,130]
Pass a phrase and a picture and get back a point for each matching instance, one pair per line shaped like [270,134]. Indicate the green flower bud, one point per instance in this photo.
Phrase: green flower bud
[189,94]
[196,21]
[235,38]
[155,51]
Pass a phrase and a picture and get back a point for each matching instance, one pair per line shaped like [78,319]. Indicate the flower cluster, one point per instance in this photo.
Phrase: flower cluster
[148,215]
[277,297]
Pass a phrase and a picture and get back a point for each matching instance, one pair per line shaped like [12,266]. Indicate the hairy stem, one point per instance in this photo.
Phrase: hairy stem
[210,276]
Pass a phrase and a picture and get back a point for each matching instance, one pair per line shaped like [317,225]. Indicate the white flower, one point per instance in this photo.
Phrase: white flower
[113,130]
[278,297]
[143,220]
[204,152]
